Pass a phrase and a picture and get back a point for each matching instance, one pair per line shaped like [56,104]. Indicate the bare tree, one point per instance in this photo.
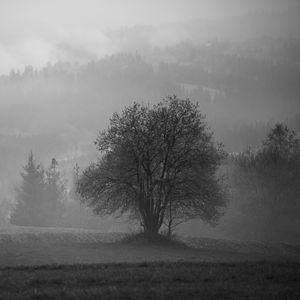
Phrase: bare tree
[159,164]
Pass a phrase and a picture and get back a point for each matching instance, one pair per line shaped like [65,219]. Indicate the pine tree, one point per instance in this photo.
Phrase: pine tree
[54,195]
[40,195]
[29,195]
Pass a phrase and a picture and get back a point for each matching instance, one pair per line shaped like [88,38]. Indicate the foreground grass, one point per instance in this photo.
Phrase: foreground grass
[180,280]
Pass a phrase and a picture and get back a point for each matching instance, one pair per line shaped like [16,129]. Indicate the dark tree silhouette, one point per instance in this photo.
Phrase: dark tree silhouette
[267,181]
[40,195]
[159,164]
[54,194]
[29,195]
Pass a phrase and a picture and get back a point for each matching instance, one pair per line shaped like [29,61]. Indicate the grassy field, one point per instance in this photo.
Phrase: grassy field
[40,246]
[56,263]
[156,280]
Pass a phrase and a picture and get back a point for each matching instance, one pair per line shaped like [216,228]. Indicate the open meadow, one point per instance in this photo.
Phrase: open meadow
[39,246]
[53,263]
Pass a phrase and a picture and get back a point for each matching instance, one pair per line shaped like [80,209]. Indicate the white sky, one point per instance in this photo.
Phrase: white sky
[31,29]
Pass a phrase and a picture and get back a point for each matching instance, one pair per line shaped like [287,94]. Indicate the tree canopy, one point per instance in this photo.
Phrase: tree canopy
[159,164]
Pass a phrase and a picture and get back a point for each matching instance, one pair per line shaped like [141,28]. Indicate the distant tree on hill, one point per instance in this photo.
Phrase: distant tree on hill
[159,164]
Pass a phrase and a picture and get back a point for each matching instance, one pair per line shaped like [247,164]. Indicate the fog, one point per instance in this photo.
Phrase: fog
[67,66]
[36,32]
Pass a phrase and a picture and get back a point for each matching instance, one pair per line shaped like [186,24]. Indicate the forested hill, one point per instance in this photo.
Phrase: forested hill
[253,82]
[56,111]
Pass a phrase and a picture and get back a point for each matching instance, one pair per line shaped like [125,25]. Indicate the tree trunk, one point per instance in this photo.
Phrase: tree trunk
[170,221]
[170,228]
[151,227]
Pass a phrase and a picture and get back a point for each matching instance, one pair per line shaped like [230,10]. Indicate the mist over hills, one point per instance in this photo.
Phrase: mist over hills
[36,44]
[236,81]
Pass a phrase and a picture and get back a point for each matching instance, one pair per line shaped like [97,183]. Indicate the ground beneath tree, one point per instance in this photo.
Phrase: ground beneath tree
[40,246]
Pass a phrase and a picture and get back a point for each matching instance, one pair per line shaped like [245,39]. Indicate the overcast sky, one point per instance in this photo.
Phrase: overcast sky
[30,30]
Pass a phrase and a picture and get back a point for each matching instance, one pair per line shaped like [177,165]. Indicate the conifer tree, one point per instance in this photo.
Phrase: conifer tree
[29,195]
[40,195]
[54,194]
